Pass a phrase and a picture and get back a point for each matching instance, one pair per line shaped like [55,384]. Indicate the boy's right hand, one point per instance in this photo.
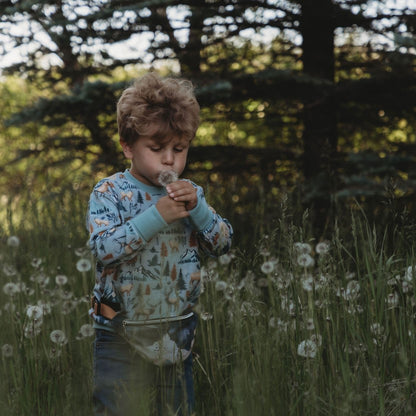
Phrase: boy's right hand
[171,210]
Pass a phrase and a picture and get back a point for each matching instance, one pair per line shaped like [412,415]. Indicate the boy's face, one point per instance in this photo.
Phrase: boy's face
[149,157]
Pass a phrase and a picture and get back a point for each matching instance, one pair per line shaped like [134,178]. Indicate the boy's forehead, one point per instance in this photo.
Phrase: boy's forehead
[169,140]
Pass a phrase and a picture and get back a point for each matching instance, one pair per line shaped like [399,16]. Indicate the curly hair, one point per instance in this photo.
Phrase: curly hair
[159,108]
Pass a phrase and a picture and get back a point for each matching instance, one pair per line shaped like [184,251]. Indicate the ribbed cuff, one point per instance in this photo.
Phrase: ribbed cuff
[149,223]
[201,215]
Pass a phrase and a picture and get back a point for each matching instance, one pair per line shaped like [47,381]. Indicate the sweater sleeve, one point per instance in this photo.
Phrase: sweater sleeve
[112,240]
[214,232]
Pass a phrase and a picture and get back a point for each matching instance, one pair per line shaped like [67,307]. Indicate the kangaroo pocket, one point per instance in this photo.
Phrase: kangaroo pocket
[163,341]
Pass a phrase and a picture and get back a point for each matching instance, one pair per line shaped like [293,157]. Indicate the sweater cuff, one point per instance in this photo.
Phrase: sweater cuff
[201,215]
[148,223]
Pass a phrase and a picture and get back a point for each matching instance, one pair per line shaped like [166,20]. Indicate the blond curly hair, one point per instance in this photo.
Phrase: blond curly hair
[159,108]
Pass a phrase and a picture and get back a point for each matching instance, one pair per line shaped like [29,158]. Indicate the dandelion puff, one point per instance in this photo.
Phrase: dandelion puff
[307,349]
[317,339]
[9,270]
[61,279]
[350,276]
[305,260]
[322,247]
[278,324]
[86,330]
[7,350]
[302,248]
[36,262]
[352,291]
[393,299]
[376,329]
[406,286]
[31,330]
[13,241]
[11,289]
[206,316]
[220,286]
[58,337]
[310,325]
[225,259]
[409,273]
[268,267]
[307,283]
[166,177]
[34,312]
[83,265]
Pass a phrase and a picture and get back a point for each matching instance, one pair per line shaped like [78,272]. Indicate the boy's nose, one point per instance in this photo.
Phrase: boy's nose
[168,158]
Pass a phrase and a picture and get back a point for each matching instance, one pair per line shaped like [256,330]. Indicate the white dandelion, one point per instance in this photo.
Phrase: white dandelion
[11,289]
[87,330]
[278,324]
[322,247]
[36,262]
[310,325]
[406,286]
[307,349]
[220,286]
[58,336]
[376,329]
[34,312]
[31,330]
[225,259]
[166,177]
[268,267]
[83,265]
[305,260]
[409,273]
[393,299]
[302,248]
[206,316]
[61,279]
[9,270]
[317,339]
[307,283]
[352,291]
[13,241]
[7,350]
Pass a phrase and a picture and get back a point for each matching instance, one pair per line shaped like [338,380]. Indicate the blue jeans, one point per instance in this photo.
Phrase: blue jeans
[127,385]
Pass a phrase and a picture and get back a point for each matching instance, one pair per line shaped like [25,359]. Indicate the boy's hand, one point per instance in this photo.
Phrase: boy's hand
[171,210]
[183,191]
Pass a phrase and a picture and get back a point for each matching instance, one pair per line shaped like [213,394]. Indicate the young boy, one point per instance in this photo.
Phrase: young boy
[147,231]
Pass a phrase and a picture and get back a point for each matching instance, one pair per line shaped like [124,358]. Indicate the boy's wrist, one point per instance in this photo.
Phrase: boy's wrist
[201,215]
[148,223]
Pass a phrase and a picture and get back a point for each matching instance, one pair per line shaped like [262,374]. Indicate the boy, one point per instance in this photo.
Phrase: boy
[147,231]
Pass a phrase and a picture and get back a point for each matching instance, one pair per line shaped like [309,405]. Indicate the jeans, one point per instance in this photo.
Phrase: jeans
[127,385]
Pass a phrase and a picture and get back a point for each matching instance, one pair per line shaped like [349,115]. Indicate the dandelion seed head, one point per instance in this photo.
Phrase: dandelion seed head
[31,330]
[278,324]
[310,325]
[86,330]
[307,349]
[268,267]
[350,276]
[220,286]
[302,248]
[34,312]
[376,329]
[61,279]
[58,336]
[9,270]
[206,316]
[225,259]
[406,286]
[36,262]
[13,241]
[317,339]
[83,265]
[322,247]
[166,177]
[393,299]
[7,351]
[11,289]
[409,273]
[307,283]
[305,260]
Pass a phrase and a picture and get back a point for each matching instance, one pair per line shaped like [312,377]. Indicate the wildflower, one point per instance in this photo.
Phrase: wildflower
[225,259]
[278,324]
[264,252]
[7,350]
[376,329]
[61,280]
[9,307]
[34,312]
[305,260]
[10,289]
[310,326]
[31,330]
[393,299]
[83,265]
[307,349]
[81,251]
[229,292]
[307,283]
[9,270]
[302,248]
[350,276]
[40,278]
[406,286]
[317,339]
[86,330]
[268,267]
[409,273]
[58,337]
[166,177]
[352,291]
[46,307]
[220,286]
[36,262]
[206,316]
[13,241]
[322,247]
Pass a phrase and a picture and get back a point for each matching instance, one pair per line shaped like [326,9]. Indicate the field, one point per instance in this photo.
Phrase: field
[289,325]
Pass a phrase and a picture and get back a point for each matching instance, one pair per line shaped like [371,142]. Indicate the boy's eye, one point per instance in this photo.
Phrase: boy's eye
[155,149]
[178,149]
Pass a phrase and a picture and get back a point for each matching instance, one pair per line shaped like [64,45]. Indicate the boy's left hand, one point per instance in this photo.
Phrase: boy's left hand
[183,191]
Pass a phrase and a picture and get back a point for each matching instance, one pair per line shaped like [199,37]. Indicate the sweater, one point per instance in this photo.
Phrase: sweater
[147,269]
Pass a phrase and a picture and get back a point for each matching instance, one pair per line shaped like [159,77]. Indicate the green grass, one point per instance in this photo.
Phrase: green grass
[354,308]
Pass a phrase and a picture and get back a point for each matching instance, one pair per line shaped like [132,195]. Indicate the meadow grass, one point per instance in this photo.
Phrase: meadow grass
[288,325]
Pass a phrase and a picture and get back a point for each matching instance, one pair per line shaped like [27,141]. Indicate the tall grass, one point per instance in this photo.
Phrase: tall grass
[287,326]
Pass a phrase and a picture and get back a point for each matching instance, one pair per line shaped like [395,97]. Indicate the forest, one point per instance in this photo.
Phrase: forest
[307,144]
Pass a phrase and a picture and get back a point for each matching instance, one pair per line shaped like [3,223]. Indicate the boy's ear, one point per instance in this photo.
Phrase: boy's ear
[126,149]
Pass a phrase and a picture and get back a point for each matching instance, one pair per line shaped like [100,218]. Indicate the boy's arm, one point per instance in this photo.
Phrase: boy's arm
[112,241]
[214,232]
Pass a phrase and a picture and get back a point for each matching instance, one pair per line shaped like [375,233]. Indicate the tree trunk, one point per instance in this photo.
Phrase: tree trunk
[319,114]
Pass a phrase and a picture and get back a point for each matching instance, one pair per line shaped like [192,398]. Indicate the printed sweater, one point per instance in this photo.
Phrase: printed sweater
[145,268]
